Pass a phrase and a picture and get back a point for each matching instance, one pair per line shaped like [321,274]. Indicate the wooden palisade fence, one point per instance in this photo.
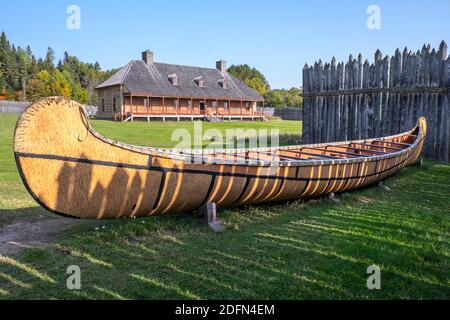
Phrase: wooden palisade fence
[358,100]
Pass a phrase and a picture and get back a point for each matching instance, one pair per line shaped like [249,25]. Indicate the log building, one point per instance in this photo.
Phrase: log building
[148,89]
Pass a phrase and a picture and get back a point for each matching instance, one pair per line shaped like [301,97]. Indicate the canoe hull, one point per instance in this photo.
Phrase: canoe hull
[71,170]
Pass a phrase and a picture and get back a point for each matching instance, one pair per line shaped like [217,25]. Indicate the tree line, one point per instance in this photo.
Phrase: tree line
[23,77]
[276,98]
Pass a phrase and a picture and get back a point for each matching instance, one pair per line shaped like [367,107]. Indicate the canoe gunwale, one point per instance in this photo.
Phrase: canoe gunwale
[143,181]
[199,156]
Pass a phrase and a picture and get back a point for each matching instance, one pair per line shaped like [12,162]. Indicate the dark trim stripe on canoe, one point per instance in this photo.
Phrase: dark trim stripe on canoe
[210,189]
[162,184]
[247,182]
[192,171]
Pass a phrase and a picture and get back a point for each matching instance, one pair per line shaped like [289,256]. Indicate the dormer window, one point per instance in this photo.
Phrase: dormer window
[173,79]
[223,83]
[199,81]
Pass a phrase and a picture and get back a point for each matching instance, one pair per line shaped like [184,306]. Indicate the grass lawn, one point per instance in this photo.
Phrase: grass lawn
[159,134]
[297,250]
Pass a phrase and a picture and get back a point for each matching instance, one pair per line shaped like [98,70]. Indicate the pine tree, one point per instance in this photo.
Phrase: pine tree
[49,59]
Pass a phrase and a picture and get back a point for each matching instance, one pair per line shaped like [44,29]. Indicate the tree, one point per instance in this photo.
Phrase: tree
[80,94]
[279,98]
[252,77]
[23,64]
[257,84]
[23,76]
[4,50]
[2,83]
[40,86]
[60,84]
[49,59]
[10,67]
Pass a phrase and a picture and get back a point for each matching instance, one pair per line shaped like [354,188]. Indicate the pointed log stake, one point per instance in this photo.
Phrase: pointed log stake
[208,212]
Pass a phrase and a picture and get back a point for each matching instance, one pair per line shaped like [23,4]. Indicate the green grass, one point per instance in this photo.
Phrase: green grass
[296,250]
[159,134]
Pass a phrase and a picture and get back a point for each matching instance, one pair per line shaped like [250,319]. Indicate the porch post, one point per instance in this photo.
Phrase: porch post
[163,106]
[229,107]
[121,101]
[131,103]
[241,107]
[148,104]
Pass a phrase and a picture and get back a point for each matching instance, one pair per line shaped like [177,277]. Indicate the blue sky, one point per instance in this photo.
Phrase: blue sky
[276,37]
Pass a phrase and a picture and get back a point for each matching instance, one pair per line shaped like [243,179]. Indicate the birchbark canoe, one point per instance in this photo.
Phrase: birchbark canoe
[72,170]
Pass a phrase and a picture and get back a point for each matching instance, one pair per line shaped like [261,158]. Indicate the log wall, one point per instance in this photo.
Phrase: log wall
[359,100]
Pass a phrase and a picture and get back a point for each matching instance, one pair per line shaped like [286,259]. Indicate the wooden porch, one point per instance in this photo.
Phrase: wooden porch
[192,108]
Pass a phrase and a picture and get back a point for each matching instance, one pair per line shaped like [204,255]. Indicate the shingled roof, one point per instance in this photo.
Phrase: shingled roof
[153,79]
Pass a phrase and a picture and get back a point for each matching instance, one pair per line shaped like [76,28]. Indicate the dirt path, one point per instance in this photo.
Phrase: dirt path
[20,231]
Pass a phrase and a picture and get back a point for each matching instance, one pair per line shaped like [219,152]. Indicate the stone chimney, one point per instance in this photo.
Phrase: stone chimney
[147,56]
[221,65]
